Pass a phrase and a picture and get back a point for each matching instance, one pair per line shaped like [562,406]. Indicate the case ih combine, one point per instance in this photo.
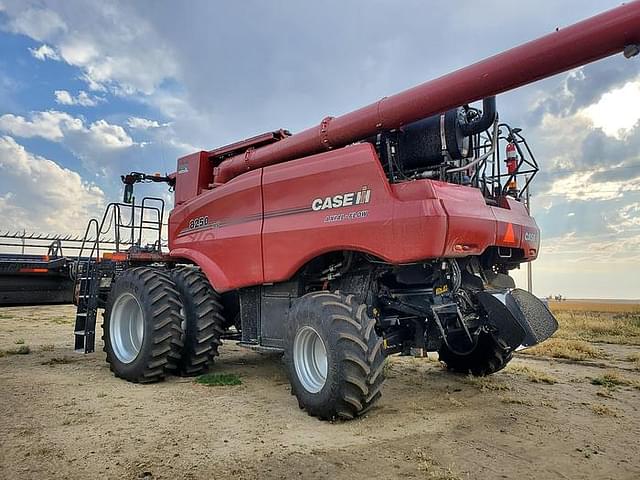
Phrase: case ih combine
[387,230]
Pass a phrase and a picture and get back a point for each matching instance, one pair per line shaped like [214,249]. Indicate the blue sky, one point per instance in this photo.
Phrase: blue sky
[90,90]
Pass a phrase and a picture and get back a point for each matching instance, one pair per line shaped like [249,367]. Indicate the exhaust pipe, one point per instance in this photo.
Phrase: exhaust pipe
[489,114]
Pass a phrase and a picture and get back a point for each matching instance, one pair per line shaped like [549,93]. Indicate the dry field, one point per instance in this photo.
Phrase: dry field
[567,409]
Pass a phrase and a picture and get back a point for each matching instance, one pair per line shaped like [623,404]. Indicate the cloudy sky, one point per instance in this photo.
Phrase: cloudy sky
[93,89]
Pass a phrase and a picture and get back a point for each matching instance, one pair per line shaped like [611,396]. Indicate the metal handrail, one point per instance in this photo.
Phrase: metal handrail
[113,214]
[487,147]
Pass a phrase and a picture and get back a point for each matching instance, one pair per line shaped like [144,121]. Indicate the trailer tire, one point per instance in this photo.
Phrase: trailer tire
[488,357]
[202,321]
[353,370]
[141,325]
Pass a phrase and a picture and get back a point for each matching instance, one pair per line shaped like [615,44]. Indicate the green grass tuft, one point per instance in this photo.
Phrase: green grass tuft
[532,374]
[218,379]
[613,379]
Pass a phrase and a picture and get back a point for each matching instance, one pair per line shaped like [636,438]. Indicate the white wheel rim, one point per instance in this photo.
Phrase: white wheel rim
[310,359]
[126,328]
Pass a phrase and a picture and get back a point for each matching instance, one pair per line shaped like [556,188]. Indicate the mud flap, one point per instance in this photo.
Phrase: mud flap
[519,318]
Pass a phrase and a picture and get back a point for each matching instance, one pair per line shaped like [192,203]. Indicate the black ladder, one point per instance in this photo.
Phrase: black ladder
[89,284]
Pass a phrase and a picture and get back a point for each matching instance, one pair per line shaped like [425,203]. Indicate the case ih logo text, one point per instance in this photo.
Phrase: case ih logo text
[530,236]
[342,200]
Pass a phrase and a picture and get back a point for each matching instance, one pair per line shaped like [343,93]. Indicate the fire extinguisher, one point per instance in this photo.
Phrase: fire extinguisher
[512,166]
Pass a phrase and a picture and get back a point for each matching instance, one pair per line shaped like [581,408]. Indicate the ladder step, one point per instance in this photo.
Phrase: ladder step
[83,332]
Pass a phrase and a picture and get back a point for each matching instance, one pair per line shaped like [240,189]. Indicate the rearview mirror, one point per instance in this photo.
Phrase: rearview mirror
[128,193]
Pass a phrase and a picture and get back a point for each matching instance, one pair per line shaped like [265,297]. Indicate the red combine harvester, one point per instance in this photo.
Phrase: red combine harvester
[391,229]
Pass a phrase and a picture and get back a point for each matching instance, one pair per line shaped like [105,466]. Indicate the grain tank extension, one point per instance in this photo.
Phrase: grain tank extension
[388,230]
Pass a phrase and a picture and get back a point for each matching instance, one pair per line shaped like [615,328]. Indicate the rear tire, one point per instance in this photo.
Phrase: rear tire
[202,320]
[141,325]
[334,356]
[487,358]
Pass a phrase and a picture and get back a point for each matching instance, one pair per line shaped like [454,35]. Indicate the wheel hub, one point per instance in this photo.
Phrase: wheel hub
[310,359]
[126,330]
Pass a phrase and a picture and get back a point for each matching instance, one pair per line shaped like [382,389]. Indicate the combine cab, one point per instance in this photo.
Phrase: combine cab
[388,230]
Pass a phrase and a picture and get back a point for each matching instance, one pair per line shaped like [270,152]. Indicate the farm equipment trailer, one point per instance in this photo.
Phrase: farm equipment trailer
[390,229]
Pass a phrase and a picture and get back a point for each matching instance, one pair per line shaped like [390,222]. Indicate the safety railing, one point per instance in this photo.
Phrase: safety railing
[489,171]
[125,226]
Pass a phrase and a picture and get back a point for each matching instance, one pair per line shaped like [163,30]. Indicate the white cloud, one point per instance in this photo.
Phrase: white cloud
[92,84]
[144,123]
[41,195]
[114,46]
[43,52]
[110,136]
[37,23]
[102,146]
[580,186]
[78,51]
[617,111]
[50,125]
[63,97]
[552,137]
[98,143]
[109,51]
[628,218]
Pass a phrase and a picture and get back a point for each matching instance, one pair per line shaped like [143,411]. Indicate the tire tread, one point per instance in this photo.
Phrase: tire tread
[358,351]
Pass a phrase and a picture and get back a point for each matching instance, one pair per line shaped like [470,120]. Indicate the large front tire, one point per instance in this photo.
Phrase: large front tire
[334,356]
[141,325]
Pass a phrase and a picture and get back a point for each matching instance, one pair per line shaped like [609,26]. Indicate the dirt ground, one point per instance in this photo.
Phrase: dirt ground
[64,415]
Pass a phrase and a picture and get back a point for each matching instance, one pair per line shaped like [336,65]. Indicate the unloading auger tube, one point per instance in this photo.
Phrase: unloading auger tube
[584,42]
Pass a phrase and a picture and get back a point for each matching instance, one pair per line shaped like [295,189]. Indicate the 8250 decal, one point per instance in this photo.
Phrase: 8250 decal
[198,222]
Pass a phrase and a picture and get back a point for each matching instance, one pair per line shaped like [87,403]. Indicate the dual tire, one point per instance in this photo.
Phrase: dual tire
[202,321]
[158,322]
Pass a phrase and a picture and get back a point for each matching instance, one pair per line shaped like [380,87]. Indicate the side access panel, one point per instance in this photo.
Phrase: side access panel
[264,312]
[220,230]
